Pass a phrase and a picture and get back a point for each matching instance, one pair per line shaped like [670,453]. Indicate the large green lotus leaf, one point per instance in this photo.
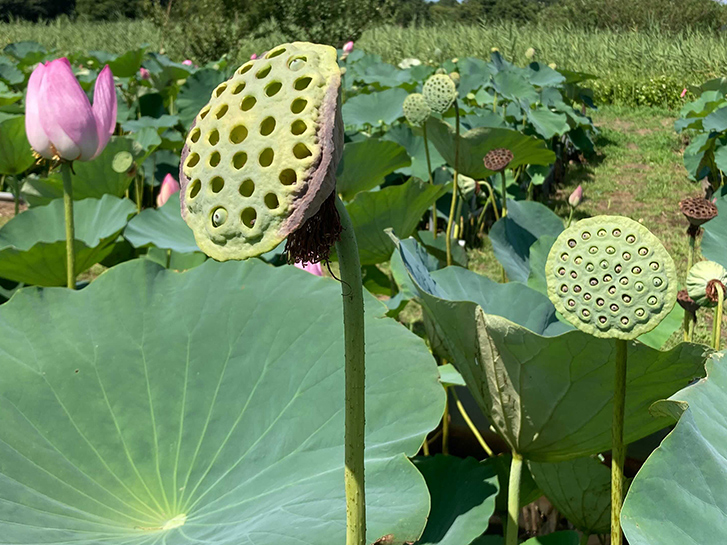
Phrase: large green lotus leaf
[366,163]
[514,85]
[128,64]
[714,241]
[580,489]
[547,123]
[679,497]
[513,235]
[163,228]
[375,108]
[538,257]
[212,398]
[16,156]
[33,244]
[9,73]
[463,495]
[196,92]
[414,143]
[91,179]
[550,398]
[565,537]
[26,53]
[475,143]
[398,207]
[8,96]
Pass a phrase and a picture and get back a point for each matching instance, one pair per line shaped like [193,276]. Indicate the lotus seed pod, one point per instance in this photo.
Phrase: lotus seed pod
[686,302]
[498,159]
[701,281]
[440,92]
[610,277]
[261,157]
[416,109]
[455,77]
[698,210]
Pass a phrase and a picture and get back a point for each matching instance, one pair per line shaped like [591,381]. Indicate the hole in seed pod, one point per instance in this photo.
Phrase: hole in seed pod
[301,151]
[586,235]
[626,298]
[639,286]
[578,260]
[614,307]
[263,72]
[288,176]
[572,243]
[564,257]
[639,312]
[204,112]
[296,63]
[626,256]
[625,320]
[266,157]
[593,249]
[298,105]
[275,53]
[593,282]
[564,288]
[192,160]
[652,300]
[247,103]
[298,127]
[273,88]
[658,282]
[245,68]
[214,137]
[631,239]
[618,268]
[617,232]
[654,266]
[248,217]
[604,264]
[612,290]
[643,251]
[636,270]
[222,110]
[267,126]
[586,313]
[238,134]
[602,319]
[194,190]
[217,184]
[194,136]
[607,278]
[247,188]
[624,281]
[571,303]
[610,250]
[215,159]
[573,275]
[219,216]
[590,267]
[237,89]
[271,201]
[601,232]
[600,302]
[577,289]
[220,89]
[239,160]
[302,83]
[561,271]
[587,296]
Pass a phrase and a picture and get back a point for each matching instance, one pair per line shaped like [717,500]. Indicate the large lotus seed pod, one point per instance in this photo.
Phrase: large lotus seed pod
[498,159]
[686,302]
[610,277]
[698,210]
[416,109]
[701,281]
[261,158]
[440,92]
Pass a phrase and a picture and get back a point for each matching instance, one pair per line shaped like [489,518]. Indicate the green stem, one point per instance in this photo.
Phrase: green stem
[70,231]
[513,500]
[138,185]
[692,323]
[494,104]
[433,222]
[471,425]
[618,450]
[445,423]
[455,189]
[570,217]
[503,181]
[686,322]
[353,325]
[692,251]
[717,324]
[16,195]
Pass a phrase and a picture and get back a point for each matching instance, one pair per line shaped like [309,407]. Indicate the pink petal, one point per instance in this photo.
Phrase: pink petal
[313,268]
[187,62]
[348,47]
[104,107]
[65,113]
[253,56]
[36,136]
[169,187]
[144,73]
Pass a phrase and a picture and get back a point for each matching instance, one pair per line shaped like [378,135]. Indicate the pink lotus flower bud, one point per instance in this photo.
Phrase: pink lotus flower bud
[348,47]
[313,268]
[576,197]
[684,92]
[253,56]
[187,62]
[144,73]
[59,119]
[169,187]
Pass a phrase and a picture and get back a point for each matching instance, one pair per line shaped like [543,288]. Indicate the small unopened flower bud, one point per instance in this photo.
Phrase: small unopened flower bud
[576,197]
[348,47]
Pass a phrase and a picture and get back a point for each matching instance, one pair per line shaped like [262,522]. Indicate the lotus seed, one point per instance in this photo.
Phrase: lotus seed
[219,216]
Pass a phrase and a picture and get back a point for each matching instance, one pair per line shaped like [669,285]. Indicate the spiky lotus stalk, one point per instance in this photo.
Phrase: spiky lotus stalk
[440,92]
[610,277]
[258,167]
[417,111]
[706,284]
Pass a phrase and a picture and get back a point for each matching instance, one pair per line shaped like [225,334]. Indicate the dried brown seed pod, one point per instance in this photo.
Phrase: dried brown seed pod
[498,159]
[697,210]
[686,302]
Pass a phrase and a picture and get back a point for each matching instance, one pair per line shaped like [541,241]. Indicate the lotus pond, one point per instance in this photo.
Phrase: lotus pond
[167,376]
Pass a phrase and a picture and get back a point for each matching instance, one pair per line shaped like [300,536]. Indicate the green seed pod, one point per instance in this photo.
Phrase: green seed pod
[440,92]
[416,109]
[701,281]
[610,277]
[261,157]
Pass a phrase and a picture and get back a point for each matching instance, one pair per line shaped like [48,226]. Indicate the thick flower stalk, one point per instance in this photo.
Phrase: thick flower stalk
[258,168]
[706,286]
[62,125]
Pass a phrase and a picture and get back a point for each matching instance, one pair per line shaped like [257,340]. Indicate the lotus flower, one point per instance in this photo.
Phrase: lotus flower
[576,197]
[59,119]
[144,73]
[313,268]
[187,62]
[348,47]
[169,187]
[684,93]
[253,56]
